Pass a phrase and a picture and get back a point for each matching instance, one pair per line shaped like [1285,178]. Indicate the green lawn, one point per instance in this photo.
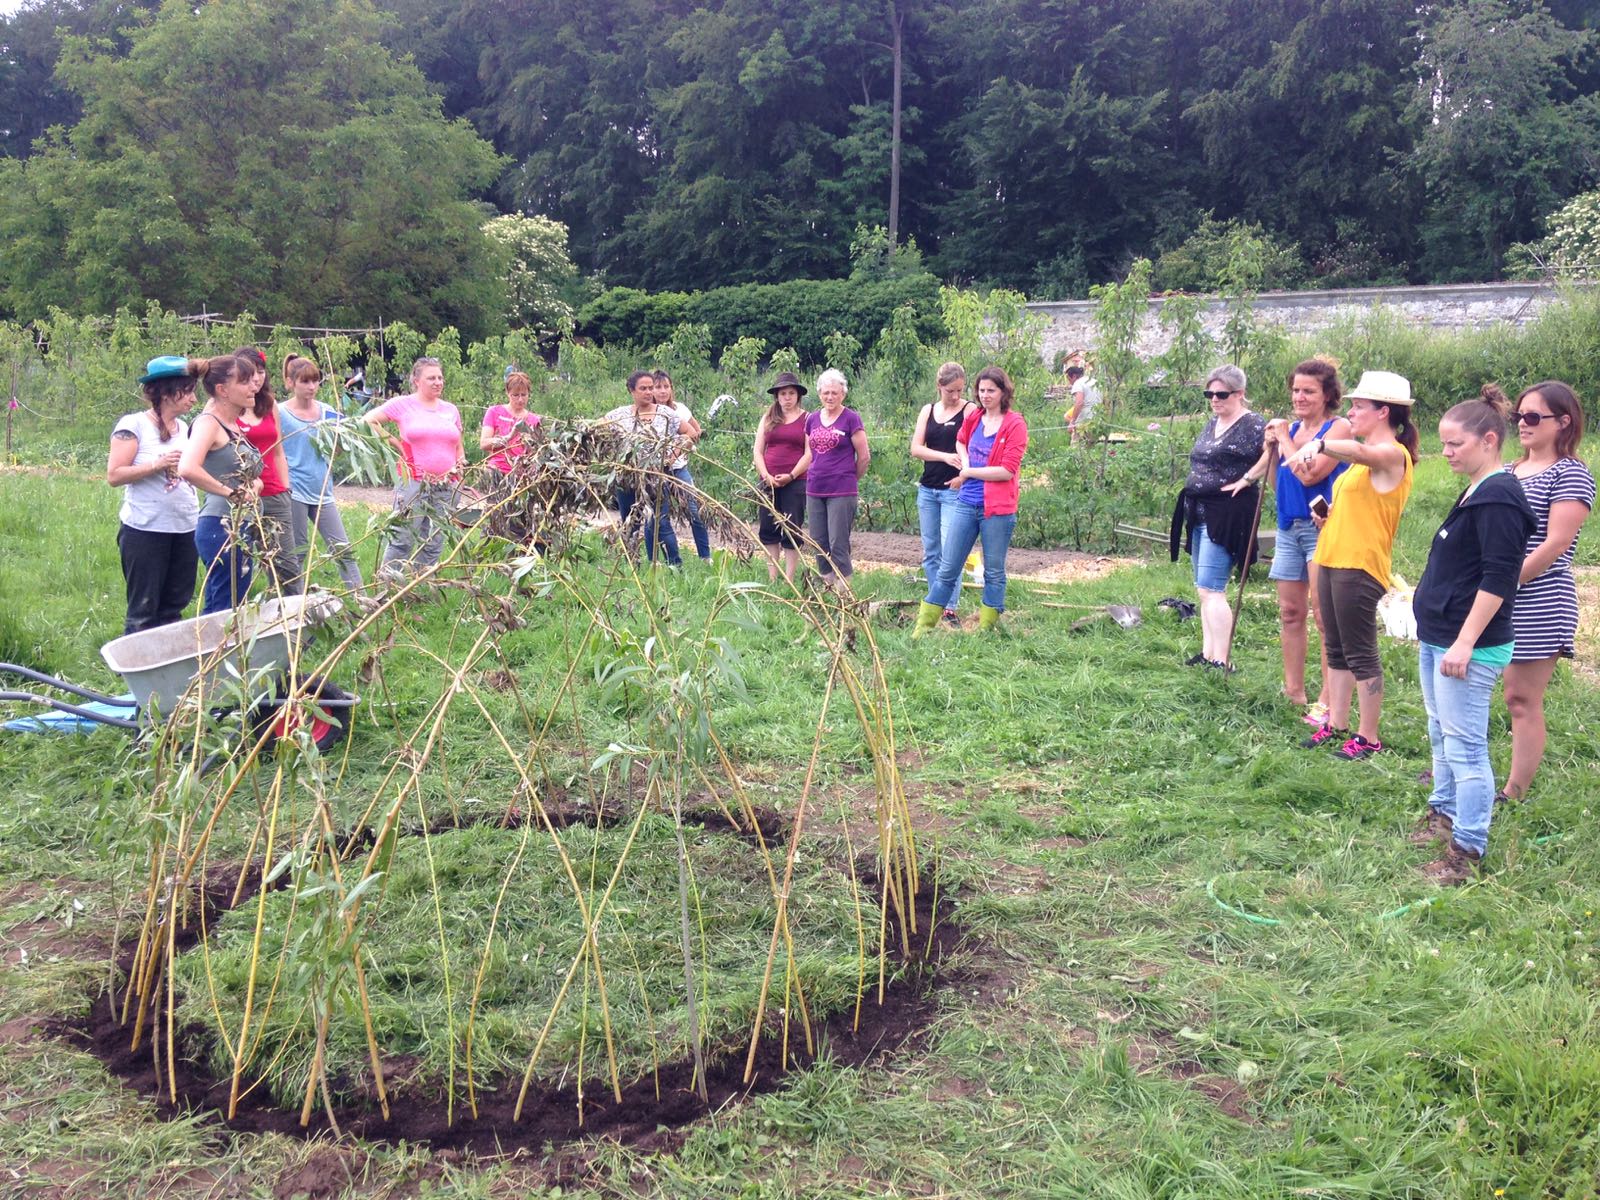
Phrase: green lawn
[1112,1025]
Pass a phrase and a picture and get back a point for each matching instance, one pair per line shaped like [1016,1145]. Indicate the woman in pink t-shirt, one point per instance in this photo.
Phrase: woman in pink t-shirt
[508,430]
[430,440]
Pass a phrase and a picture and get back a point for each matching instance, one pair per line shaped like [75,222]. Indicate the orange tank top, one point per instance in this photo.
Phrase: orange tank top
[1362,523]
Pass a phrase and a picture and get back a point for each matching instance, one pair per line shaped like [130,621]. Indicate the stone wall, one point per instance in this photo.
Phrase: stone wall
[1442,306]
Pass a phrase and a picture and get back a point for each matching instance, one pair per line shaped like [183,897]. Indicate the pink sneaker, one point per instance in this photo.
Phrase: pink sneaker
[1325,733]
[1359,747]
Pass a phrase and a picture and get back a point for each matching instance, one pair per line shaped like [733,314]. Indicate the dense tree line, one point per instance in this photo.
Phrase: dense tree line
[1043,143]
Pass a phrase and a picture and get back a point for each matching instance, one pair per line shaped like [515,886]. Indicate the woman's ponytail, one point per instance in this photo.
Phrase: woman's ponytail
[1483,416]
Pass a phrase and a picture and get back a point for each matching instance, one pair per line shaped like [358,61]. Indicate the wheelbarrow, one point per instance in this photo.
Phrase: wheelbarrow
[158,666]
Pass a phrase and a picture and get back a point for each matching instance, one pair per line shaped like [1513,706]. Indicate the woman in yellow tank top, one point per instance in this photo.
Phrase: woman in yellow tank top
[1354,551]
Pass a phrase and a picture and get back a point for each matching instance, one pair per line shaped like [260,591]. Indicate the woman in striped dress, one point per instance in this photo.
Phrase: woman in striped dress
[1545,619]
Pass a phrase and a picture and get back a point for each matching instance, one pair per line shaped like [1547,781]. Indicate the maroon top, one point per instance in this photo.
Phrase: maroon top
[784,446]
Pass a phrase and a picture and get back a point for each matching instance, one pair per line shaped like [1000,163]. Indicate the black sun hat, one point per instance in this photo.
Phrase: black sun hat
[786,379]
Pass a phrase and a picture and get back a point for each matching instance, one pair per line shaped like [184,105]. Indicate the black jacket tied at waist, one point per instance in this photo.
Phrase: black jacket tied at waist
[1230,522]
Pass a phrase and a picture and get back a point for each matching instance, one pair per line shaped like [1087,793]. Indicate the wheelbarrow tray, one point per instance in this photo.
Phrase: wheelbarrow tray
[159,665]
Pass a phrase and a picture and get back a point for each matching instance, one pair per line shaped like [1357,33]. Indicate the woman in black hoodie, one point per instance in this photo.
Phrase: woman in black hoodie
[1463,610]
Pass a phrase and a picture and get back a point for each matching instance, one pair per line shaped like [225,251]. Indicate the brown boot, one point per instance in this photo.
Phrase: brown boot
[1456,867]
[1434,827]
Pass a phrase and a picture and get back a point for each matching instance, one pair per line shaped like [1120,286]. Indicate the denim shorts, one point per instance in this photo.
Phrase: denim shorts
[1291,555]
[1212,564]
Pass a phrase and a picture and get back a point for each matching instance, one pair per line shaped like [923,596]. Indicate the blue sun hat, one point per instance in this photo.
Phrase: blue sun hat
[165,366]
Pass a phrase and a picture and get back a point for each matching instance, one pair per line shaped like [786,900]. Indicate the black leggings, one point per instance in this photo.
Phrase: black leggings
[1349,597]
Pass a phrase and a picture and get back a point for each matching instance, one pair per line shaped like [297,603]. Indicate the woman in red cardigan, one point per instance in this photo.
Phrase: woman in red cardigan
[991,444]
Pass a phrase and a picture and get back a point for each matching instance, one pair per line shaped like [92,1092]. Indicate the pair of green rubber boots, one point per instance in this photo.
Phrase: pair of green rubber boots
[928,617]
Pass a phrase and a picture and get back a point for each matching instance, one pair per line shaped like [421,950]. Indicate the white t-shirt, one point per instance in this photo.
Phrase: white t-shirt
[149,504]
[1087,394]
[681,411]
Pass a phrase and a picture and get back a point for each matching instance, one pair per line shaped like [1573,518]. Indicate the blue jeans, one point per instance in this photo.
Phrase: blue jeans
[417,541]
[626,499]
[697,527]
[1458,732]
[1212,564]
[1291,554]
[964,524]
[932,503]
[228,565]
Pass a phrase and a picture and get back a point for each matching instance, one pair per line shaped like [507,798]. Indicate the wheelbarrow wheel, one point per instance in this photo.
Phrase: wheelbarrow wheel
[277,718]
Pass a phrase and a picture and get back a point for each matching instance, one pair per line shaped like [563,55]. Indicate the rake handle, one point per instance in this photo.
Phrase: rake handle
[1250,548]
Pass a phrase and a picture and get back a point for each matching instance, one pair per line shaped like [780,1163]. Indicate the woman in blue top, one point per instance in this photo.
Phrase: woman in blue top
[310,474]
[1314,394]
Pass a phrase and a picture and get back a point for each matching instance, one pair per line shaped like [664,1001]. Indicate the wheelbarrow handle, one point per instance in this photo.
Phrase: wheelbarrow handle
[63,706]
[52,681]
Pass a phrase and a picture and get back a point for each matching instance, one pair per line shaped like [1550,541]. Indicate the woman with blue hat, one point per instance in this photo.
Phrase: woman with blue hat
[156,535]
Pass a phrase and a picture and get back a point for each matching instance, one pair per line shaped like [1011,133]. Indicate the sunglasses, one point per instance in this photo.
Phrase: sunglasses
[1532,419]
[1216,395]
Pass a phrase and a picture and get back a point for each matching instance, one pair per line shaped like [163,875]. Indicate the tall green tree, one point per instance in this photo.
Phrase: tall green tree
[1505,135]
[31,99]
[1303,117]
[270,155]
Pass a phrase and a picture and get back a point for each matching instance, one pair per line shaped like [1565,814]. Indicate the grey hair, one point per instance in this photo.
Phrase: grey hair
[1230,375]
[949,373]
[832,375]
[417,366]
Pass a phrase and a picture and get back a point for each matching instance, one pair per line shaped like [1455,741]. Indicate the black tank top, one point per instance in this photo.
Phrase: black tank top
[941,436]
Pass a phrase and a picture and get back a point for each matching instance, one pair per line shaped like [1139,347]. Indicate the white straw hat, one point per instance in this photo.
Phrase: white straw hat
[1382,387]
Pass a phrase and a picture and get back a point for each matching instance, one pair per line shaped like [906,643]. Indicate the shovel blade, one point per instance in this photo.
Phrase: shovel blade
[1126,615]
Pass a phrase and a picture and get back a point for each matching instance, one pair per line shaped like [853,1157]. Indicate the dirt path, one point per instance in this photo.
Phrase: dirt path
[889,551]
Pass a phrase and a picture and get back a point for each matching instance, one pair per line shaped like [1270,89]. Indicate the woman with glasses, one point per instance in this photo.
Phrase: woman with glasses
[1560,490]
[1221,523]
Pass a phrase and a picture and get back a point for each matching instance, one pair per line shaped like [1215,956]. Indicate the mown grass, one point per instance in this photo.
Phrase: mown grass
[1110,1031]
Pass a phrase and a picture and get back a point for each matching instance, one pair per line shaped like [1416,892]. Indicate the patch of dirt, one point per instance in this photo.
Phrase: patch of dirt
[1064,842]
[1229,1096]
[57,1179]
[900,551]
[371,497]
[882,551]
[20,1031]
[953,1087]
[327,1171]
[654,1112]
[500,681]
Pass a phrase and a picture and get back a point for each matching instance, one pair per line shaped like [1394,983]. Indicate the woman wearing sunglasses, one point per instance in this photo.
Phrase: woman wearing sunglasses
[1221,523]
[1560,490]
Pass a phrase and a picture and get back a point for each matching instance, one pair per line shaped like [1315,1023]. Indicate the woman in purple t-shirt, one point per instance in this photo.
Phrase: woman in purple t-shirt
[836,457]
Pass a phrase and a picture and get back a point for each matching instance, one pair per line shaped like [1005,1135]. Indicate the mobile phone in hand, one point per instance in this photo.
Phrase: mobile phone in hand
[1319,507]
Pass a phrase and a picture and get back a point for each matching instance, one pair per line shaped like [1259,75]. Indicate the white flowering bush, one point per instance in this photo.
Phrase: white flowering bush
[538,271]
[1571,248]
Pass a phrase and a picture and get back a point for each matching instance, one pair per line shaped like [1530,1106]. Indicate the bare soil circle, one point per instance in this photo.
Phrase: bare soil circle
[655,1112]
